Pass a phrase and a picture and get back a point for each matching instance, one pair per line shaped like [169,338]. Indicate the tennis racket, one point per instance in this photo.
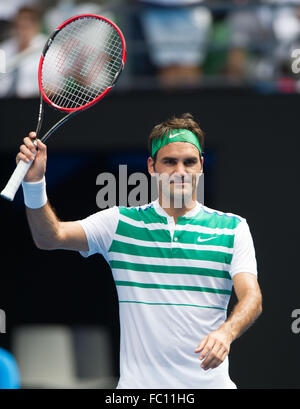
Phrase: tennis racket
[79,65]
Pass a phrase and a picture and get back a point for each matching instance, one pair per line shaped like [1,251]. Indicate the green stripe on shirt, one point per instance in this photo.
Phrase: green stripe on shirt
[172,287]
[152,268]
[163,235]
[167,303]
[162,252]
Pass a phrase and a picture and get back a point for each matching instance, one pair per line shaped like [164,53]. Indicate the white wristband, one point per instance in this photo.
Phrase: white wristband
[35,195]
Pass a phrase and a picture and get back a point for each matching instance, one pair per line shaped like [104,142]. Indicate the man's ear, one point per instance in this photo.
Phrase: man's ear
[150,163]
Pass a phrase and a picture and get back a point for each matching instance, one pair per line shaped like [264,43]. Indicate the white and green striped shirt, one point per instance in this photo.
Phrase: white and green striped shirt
[174,283]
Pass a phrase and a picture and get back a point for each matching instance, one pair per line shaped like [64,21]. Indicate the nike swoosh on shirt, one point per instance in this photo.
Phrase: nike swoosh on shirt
[175,134]
[199,238]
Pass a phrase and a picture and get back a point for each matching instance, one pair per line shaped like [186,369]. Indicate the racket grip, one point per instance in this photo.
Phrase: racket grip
[15,180]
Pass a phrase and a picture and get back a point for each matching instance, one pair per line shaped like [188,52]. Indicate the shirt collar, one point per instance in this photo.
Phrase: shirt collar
[191,213]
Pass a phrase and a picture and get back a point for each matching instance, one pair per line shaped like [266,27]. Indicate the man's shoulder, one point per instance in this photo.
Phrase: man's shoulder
[219,219]
[135,210]
[221,213]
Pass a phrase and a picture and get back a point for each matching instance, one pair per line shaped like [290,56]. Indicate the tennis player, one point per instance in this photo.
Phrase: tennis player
[174,267]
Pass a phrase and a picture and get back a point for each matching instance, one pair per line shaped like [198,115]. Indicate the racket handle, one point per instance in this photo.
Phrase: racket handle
[15,180]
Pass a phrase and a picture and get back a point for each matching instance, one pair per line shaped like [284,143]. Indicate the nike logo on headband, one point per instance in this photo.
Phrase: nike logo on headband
[175,134]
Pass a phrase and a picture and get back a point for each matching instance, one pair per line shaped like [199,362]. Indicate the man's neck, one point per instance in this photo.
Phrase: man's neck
[175,211]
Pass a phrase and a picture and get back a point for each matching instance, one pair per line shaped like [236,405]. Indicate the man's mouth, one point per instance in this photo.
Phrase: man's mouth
[179,182]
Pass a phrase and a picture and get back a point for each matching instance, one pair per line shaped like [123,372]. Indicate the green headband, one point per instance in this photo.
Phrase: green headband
[176,135]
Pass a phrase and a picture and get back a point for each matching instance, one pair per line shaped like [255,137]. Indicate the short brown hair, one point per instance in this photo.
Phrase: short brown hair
[185,121]
[30,12]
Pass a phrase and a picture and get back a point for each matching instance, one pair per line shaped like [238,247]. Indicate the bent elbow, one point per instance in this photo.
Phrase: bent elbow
[51,241]
[46,245]
[260,309]
[42,246]
[259,306]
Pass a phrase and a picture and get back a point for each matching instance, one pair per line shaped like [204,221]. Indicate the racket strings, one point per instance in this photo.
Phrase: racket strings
[79,90]
[79,74]
[82,62]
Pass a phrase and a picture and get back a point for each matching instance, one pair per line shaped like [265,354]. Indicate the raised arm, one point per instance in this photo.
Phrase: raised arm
[47,230]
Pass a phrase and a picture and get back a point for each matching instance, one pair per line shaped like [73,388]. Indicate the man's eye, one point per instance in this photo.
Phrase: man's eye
[190,162]
[170,161]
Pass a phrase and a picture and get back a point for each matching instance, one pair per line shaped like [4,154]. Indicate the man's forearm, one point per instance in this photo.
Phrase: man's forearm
[44,226]
[47,230]
[216,345]
[245,312]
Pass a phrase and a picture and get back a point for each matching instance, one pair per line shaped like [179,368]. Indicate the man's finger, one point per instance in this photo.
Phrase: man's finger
[211,358]
[212,363]
[22,157]
[27,152]
[215,358]
[201,345]
[29,144]
[42,147]
[206,350]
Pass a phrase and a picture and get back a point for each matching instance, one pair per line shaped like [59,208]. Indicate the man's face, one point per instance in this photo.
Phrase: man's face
[25,28]
[179,167]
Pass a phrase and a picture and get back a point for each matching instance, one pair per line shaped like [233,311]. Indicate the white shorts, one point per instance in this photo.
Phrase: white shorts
[176,35]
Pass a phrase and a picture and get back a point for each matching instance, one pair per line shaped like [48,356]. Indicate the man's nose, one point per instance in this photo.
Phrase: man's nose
[180,169]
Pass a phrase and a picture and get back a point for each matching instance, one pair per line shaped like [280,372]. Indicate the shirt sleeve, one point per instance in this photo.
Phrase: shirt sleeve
[100,229]
[243,260]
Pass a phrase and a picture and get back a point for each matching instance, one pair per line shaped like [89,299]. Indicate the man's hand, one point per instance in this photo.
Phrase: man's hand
[214,348]
[29,152]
